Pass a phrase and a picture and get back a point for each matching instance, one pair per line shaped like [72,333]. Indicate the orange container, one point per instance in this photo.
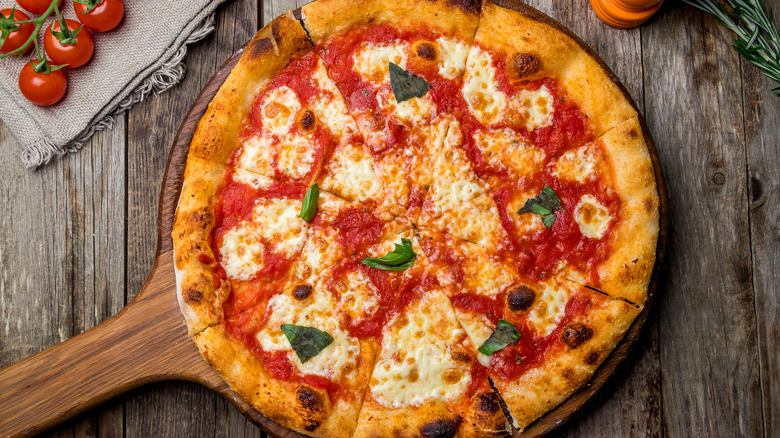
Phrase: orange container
[625,14]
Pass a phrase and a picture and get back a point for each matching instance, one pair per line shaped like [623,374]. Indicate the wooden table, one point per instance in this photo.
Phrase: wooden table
[77,237]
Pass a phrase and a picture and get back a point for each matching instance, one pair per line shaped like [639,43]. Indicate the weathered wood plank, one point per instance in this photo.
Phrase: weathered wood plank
[173,409]
[633,405]
[707,321]
[275,8]
[762,131]
[63,255]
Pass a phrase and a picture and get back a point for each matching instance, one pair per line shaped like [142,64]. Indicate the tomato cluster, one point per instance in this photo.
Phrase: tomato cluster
[67,43]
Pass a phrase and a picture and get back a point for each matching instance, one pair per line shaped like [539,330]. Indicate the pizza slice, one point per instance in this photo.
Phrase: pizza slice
[398,66]
[294,360]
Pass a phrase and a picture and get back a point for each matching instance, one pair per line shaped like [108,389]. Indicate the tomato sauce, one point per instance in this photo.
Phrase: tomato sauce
[357,228]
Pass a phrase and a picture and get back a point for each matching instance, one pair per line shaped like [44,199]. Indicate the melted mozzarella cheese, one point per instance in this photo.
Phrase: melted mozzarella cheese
[592,217]
[371,60]
[350,174]
[257,155]
[278,111]
[241,252]
[479,328]
[320,251]
[484,98]
[292,154]
[252,179]
[476,221]
[549,308]
[536,107]
[414,110]
[296,155]
[507,147]
[415,363]
[576,165]
[452,59]
[454,185]
[330,107]
[340,356]
[280,224]
[358,295]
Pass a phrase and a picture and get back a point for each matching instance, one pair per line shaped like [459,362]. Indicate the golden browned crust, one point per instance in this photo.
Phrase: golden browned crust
[626,273]
[457,18]
[588,341]
[265,55]
[199,298]
[296,406]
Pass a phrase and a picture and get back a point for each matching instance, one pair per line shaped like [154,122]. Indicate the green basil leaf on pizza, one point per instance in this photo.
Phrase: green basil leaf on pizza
[400,258]
[545,204]
[504,334]
[306,341]
[309,207]
[406,85]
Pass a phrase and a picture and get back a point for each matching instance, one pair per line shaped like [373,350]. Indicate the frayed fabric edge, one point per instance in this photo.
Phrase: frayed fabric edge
[170,73]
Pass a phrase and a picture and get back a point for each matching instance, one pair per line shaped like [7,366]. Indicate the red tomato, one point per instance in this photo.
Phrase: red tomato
[71,55]
[105,16]
[37,7]
[42,88]
[18,37]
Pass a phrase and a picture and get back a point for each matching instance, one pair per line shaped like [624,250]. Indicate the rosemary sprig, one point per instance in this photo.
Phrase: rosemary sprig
[757,38]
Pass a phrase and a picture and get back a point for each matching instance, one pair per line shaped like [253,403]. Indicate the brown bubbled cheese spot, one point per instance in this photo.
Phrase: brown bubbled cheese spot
[523,65]
[307,120]
[440,428]
[425,50]
[520,298]
[460,356]
[576,334]
[302,291]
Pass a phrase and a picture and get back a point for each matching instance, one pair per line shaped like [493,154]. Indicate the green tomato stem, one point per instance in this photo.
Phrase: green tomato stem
[34,36]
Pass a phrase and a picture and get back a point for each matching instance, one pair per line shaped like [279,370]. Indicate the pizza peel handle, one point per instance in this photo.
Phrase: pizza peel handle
[145,342]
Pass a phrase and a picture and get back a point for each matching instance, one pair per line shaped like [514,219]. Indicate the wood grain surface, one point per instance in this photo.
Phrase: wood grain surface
[83,231]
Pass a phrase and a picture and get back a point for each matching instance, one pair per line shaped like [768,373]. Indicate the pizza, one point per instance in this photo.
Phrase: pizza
[427,218]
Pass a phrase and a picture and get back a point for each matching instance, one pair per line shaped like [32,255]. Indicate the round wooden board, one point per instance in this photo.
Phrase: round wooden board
[553,419]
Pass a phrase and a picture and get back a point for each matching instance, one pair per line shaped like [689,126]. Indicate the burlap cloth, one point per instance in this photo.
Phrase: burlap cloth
[142,55]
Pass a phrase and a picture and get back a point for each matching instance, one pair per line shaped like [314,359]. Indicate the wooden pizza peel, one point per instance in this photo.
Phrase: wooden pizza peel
[147,340]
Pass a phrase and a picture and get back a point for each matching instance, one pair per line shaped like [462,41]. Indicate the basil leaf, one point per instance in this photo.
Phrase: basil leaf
[504,334]
[406,85]
[543,204]
[400,258]
[309,207]
[306,341]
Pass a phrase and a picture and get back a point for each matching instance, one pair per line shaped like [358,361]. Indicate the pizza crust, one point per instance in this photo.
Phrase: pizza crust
[626,274]
[265,55]
[299,407]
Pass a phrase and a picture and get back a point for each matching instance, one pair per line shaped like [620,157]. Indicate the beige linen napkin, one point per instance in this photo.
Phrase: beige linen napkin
[142,55]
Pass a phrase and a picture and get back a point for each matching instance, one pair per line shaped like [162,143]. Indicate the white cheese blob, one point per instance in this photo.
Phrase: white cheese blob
[535,107]
[484,98]
[592,217]
[549,308]
[576,165]
[279,224]
[371,60]
[350,174]
[452,57]
[279,108]
[241,252]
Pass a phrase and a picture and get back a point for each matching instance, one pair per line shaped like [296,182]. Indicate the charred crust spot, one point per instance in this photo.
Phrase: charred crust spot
[309,399]
[520,298]
[312,425]
[307,120]
[440,428]
[468,6]
[592,358]
[302,291]
[649,205]
[192,296]
[523,65]
[488,402]
[576,334]
[426,50]
[259,47]
[632,134]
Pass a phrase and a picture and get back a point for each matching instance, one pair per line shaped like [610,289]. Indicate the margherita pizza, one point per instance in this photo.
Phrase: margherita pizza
[424,218]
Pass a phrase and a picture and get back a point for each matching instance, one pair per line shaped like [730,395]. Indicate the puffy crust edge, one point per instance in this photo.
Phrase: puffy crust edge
[199,297]
[265,55]
[542,389]
[325,18]
[626,273]
[299,407]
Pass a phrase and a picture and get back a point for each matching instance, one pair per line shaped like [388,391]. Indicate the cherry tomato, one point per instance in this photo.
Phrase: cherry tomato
[42,88]
[71,55]
[37,7]
[106,15]
[17,38]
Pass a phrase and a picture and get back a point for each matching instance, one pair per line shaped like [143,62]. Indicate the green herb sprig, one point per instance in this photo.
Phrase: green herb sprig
[757,38]
[400,258]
